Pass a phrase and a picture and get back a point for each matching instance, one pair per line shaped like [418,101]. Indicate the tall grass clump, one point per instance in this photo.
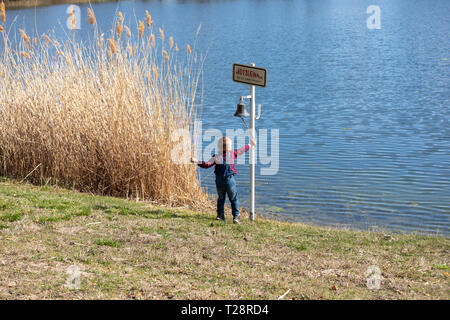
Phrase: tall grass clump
[98,116]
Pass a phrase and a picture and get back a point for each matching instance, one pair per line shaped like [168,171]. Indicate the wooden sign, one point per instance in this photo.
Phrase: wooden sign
[249,75]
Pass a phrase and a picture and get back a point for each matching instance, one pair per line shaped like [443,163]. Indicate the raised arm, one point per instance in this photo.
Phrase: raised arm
[245,148]
[203,164]
[242,150]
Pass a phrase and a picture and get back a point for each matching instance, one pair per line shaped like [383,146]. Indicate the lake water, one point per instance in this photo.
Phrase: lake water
[363,115]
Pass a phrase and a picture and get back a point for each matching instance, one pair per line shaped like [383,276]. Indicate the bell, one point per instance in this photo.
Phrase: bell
[241,111]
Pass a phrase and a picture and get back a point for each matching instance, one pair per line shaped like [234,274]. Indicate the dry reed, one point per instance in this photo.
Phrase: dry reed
[141,28]
[91,16]
[2,12]
[148,18]
[99,117]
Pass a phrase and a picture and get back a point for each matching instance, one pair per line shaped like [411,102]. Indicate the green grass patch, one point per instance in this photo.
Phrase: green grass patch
[108,243]
[81,211]
[3,226]
[55,204]
[147,230]
[11,216]
[296,245]
[6,205]
[52,217]
[132,210]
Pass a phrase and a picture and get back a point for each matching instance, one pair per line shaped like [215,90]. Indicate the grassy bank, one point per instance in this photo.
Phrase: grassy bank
[133,250]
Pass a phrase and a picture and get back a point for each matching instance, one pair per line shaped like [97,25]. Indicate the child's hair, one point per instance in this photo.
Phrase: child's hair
[224,144]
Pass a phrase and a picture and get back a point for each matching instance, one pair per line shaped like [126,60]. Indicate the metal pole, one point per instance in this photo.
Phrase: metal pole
[252,153]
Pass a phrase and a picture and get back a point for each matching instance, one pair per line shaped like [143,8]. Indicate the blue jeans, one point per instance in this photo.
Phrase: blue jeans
[227,186]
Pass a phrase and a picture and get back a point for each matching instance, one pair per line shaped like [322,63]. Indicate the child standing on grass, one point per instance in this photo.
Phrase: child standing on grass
[225,171]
